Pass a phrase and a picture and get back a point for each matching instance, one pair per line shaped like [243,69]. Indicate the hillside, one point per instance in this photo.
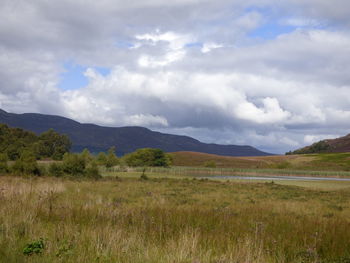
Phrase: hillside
[338,145]
[126,139]
[309,162]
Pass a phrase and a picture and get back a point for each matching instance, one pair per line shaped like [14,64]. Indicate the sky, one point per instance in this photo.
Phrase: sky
[268,73]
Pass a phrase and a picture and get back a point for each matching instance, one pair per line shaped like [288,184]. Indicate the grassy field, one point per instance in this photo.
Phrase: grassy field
[175,219]
[181,171]
[312,162]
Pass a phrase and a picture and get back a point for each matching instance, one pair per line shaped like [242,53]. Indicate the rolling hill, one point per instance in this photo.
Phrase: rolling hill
[291,163]
[338,145]
[126,139]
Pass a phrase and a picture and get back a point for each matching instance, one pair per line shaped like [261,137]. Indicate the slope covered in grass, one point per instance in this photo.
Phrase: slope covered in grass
[315,162]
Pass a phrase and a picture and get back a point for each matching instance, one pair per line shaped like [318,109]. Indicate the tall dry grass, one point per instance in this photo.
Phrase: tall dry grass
[164,220]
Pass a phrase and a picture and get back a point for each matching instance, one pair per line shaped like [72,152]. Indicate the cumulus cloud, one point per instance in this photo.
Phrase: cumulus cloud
[196,67]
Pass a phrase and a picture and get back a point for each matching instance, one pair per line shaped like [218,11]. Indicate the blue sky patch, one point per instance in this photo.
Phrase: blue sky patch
[271,30]
[73,76]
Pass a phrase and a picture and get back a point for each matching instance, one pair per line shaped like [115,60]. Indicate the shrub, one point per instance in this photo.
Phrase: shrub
[26,164]
[148,157]
[210,164]
[92,171]
[73,164]
[56,170]
[101,158]
[111,158]
[36,247]
[86,155]
[3,164]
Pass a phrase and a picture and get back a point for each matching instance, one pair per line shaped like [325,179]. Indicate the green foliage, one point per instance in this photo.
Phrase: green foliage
[56,170]
[50,144]
[282,165]
[26,164]
[36,247]
[210,164]
[101,158]
[14,140]
[111,159]
[92,171]
[76,165]
[53,144]
[318,147]
[3,163]
[86,155]
[73,164]
[147,157]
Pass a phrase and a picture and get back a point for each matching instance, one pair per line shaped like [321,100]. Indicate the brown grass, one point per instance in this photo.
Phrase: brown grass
[170,220]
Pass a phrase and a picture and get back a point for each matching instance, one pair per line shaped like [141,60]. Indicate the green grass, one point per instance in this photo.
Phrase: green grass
[126,219]
[202,171]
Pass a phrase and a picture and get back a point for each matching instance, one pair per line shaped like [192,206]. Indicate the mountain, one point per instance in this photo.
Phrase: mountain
[338,145]
[125,139]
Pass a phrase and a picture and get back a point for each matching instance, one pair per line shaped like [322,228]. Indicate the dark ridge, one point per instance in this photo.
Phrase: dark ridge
[125,139]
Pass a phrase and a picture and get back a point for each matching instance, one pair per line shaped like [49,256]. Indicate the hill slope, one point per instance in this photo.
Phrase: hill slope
[338,145]
[126,139]
[288,163]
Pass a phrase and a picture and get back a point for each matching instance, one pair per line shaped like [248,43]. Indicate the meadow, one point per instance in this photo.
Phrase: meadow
[172,218]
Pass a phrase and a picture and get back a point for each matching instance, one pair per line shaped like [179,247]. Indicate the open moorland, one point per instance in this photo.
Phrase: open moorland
[150,207]
[172,218]
[311,162]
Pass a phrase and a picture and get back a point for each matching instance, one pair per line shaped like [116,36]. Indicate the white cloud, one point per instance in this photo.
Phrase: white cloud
[270,113]
[146,120]
[207,47]
[310,139]
[186,66]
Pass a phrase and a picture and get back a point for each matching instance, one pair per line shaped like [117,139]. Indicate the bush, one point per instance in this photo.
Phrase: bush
[147,157]
[92,171]
[36,247]
[73,164]
[111,158]
[56,170]
[101,158]
[3,164]
[210,164]
[26,164]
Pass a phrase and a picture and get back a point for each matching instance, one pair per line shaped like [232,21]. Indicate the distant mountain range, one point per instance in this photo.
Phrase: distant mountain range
[125,139]
[338,145]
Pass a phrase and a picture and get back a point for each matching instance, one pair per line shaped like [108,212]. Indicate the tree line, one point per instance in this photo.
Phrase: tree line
[20,151]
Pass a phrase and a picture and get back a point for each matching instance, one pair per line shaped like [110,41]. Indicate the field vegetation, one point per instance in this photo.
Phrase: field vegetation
[150,206]
[311,162]
[155,219]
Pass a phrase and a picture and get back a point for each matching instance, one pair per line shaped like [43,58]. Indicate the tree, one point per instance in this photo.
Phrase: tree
[86,155]
[101,158]
[111,159]
[13,141]
[53,144]
[73,164]
[148,157]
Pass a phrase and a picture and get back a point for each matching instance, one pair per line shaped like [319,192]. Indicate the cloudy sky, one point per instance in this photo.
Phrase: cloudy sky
[268,73]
